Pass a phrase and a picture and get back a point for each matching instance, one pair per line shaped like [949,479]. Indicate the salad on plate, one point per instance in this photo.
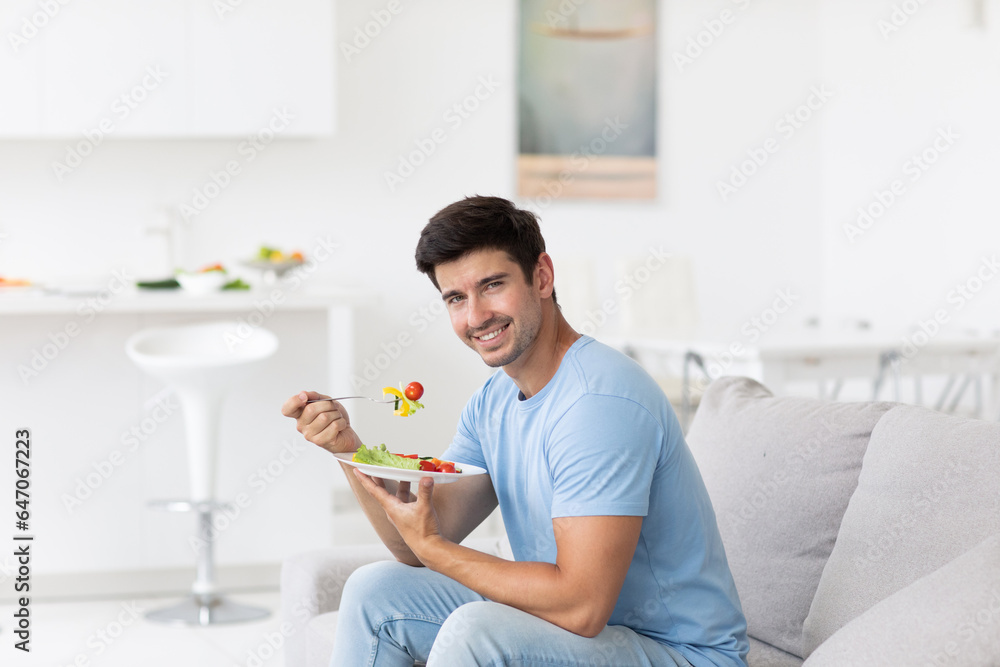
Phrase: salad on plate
[380,462]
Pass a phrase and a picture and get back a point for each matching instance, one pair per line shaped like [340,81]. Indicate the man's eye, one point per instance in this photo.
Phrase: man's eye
[454,299]
[493,284]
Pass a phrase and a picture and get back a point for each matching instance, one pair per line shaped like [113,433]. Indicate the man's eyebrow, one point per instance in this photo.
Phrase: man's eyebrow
[483,282]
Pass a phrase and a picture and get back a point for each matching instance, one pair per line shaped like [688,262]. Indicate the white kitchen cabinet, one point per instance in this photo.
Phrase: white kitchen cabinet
[166,68]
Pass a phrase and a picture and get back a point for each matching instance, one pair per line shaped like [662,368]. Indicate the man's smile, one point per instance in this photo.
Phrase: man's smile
[491,334]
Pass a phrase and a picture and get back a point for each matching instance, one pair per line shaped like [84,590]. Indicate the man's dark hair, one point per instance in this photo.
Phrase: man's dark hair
[480,223]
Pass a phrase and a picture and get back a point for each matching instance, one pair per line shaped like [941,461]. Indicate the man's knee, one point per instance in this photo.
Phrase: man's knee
[373,582]
[472,633]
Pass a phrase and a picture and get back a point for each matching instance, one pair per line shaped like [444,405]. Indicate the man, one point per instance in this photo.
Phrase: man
[618,556]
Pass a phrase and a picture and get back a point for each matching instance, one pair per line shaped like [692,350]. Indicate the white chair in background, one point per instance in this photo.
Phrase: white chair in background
[201,363]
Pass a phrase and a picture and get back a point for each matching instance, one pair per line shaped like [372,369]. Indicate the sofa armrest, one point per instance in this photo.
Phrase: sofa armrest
[312,583]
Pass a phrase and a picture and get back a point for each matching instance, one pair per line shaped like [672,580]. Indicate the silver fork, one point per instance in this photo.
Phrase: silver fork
[343,398]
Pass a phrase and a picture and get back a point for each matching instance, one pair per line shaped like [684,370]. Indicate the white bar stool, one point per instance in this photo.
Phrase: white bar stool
[201,362]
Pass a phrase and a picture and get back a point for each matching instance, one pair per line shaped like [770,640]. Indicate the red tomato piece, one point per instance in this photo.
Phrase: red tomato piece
[414,391]
[427,466]
[446,467]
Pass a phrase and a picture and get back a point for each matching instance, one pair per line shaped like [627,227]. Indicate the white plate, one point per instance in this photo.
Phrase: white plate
[402,475]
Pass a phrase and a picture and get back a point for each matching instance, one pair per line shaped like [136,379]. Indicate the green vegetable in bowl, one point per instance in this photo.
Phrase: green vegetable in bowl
[169,283]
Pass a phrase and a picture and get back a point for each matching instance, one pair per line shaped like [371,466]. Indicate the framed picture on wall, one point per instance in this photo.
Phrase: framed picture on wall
[587,98]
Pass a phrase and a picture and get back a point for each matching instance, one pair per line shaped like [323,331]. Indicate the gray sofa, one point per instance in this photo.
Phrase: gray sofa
[858,533]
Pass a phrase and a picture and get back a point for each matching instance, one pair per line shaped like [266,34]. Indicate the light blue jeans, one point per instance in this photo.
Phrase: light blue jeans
[392,615]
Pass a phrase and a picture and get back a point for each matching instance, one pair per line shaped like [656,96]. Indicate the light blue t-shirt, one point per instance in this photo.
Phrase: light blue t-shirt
[601,439]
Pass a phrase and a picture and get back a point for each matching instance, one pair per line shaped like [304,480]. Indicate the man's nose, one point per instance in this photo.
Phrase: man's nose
[479,312]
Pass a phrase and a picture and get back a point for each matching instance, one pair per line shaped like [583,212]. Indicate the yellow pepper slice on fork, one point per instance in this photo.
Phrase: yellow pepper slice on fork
[403,408]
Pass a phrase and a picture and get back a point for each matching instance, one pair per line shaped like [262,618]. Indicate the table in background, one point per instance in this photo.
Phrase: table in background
[824,357]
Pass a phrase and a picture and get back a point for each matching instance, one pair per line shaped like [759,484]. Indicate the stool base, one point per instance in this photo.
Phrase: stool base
[207,610]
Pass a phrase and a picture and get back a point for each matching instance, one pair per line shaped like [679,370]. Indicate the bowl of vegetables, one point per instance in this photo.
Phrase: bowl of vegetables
[204,281]
[274,263]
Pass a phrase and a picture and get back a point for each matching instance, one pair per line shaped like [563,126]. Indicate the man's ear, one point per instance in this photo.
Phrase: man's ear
[545,275]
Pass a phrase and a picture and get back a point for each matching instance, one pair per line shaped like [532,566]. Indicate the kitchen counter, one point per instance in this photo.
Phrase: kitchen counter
[30,300]
[252,307]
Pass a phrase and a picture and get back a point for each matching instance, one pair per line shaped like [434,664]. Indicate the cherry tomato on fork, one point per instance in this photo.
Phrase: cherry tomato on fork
[414,391]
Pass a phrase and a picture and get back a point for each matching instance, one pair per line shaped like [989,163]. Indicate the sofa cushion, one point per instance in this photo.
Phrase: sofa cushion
[765,655]
[928,492]
[950,617]
[780,472]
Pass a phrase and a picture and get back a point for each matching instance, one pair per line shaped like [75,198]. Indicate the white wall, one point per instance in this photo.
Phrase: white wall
[781,230]
[899,91]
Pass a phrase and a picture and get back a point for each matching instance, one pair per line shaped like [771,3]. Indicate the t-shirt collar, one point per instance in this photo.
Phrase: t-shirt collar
[539,398]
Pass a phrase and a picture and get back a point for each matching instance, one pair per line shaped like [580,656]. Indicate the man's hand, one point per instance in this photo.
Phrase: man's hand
[414,518]
[325,423]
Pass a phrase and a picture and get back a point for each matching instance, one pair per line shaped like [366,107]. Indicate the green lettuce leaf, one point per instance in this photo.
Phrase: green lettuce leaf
[383,457]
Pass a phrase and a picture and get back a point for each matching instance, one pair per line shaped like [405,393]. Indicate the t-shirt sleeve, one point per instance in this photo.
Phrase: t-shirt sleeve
[465,447]
[602,455]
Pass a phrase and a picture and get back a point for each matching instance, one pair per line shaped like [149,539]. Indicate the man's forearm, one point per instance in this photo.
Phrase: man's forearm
[540,589]
[378,519]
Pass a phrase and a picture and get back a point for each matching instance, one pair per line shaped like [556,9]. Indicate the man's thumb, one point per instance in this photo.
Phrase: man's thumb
[425,488]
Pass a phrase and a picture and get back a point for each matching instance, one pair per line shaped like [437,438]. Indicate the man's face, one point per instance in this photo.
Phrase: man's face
[492,307]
